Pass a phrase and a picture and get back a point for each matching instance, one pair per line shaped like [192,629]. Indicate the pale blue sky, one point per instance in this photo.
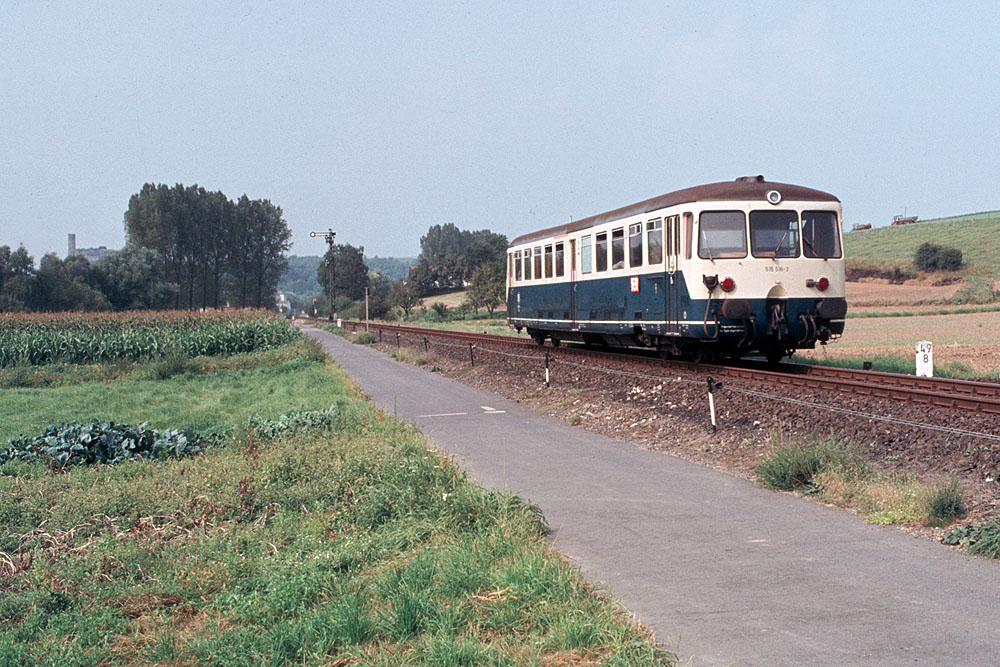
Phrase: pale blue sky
[380,119]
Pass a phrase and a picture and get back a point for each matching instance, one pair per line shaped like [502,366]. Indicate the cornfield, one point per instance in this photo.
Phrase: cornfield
[91,338]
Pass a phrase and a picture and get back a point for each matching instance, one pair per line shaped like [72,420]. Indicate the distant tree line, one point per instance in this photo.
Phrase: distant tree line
[186,248]
[450,258]
[128,279]
[215,250]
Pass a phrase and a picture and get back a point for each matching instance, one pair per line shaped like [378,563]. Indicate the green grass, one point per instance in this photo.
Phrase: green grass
[837,472]
[889,363]
[207,402]
[982,540]
[918,311]
[976,235]
[358,544]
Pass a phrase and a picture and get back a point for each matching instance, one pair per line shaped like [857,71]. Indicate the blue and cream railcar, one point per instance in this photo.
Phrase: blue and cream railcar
[727,268]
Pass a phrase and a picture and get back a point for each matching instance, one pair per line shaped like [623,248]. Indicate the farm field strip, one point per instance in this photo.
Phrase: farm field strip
[337,536]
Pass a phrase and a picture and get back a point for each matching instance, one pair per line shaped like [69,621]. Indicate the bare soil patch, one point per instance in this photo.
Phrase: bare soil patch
[967,338]
[879,290]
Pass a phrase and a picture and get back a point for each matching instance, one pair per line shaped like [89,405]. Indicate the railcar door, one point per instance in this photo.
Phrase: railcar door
[672,243]
[572,283]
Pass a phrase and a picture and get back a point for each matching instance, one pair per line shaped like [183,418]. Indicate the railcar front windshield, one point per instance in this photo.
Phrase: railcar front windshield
[820,237]
[774,234]
[723,235]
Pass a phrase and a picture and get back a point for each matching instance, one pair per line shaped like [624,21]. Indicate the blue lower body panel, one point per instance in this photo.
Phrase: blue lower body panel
[657,310]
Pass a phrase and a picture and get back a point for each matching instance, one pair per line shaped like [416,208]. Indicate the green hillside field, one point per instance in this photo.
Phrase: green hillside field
[977,235]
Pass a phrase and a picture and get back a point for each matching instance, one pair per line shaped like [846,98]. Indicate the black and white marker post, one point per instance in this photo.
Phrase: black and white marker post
[712,386]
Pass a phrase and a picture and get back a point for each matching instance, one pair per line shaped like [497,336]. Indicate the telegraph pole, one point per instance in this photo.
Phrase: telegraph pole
[329,235]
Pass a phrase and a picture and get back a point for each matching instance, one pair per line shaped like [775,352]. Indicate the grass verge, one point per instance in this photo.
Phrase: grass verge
[889,363]
[836,472]
[358,545]
[209,397]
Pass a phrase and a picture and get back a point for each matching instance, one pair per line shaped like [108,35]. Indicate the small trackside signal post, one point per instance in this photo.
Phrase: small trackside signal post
[330,237]
[925,359]
[712,386]
[548,358]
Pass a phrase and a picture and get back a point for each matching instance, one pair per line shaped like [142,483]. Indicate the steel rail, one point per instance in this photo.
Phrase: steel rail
[966,395]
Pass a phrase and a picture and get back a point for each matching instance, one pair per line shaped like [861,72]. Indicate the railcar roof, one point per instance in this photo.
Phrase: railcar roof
[740,189]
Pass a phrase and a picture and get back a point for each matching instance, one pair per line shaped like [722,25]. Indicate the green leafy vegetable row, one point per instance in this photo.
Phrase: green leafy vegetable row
[101,442]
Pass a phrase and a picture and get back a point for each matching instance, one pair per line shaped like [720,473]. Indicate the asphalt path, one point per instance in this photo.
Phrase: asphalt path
[724,572]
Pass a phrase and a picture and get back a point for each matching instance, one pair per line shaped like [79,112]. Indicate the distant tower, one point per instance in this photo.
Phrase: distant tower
[72,245]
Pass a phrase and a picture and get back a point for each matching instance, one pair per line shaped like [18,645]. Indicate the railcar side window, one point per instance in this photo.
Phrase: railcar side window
[723,235]
[548,261]
[517,265]
[560,262]
[618,248]
[635,245]
[654,237]
[602,251]
[819,234]
[688,234]
[538,263]
[527,263]
[586,254]
[774,234]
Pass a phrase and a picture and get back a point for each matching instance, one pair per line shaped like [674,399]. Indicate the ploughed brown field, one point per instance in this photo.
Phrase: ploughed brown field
[971,338]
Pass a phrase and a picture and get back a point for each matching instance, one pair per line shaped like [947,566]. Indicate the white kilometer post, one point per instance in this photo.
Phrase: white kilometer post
[925,359]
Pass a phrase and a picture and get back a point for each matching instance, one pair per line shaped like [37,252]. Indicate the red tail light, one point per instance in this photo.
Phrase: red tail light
[728,284]
[822,283]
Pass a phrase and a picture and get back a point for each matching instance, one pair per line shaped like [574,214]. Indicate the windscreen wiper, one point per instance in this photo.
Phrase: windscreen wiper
[780,241]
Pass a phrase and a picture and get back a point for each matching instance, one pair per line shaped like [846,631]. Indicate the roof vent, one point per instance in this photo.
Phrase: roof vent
[759,178]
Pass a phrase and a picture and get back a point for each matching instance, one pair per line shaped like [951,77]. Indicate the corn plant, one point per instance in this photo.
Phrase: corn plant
[76,338]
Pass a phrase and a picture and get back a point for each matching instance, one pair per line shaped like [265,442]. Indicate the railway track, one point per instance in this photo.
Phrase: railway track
[965,395]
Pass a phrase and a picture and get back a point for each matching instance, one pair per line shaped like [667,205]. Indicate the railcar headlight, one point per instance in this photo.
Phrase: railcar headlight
[727,284]
[773,197]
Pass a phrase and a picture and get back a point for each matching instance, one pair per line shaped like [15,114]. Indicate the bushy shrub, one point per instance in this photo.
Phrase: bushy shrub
[933,257]
[364,338]
[945,502]
[441,309]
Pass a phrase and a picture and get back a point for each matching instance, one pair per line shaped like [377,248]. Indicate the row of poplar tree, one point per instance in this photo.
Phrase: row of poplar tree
[186,248]
[216,251]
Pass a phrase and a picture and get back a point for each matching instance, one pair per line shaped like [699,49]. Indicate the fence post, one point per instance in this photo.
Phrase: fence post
[472,355]
[548,357]
[425,344]
[397,340]
[712,386]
